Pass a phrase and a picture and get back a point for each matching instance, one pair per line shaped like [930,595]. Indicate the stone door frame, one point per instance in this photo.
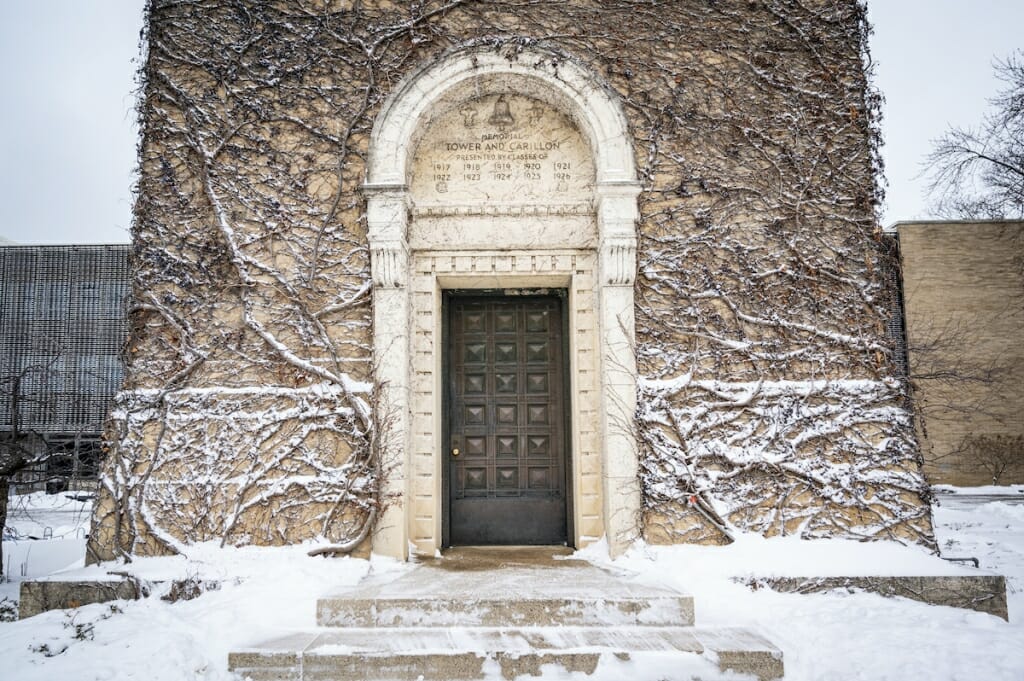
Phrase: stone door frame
[407,289]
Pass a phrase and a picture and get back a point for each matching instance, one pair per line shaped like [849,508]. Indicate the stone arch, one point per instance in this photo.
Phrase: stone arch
[408,282]
[560,81]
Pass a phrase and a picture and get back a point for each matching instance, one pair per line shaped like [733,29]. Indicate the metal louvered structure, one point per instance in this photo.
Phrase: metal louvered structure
[896,323]
[62,326]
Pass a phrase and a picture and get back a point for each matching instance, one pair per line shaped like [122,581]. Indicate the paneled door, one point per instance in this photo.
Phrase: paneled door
[506,413]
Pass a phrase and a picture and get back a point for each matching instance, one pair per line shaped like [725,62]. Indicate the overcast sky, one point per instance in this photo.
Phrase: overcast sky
[67,134]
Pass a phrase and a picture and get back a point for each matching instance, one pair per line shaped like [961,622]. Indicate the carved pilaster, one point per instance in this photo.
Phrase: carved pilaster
[387,217]
[617,216]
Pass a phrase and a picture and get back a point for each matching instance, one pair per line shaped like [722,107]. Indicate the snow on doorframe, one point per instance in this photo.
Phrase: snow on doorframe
[405,312]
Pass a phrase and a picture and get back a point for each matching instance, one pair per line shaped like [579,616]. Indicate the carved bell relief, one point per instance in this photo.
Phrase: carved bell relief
[502,117]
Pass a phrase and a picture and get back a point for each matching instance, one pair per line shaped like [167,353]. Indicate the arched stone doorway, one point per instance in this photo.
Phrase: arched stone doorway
[510,175]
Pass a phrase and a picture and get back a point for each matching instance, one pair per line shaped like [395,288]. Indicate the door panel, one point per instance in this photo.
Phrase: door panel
[506,417]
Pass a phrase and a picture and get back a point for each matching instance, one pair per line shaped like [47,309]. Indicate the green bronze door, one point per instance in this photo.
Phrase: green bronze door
[506,435]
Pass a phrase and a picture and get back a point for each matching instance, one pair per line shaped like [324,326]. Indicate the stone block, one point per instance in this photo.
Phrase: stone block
[37,597]
[743,651]
[984,593]
[278,660]
[40,596]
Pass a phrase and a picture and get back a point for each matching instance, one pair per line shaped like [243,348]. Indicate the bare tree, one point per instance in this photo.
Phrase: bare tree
[20,446]
[979,172]
[950,380]
[953,384]
[997,455]
[975,174]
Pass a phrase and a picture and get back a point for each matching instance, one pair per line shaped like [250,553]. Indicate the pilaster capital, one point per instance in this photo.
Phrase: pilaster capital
[387,215]
[618,215]
[617,209]
[387,212]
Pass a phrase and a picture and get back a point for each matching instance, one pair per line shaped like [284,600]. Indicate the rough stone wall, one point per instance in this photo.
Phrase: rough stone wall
[964,295]
[767,397]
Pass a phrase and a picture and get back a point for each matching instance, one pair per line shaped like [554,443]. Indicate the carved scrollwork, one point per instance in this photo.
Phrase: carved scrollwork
[618,261]
[388,216]
[389,264]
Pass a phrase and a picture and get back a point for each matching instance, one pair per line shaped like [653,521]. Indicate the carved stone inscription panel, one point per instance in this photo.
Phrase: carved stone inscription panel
[502,171]
[501,149]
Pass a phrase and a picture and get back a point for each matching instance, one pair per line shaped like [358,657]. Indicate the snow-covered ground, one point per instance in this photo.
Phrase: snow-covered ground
[836,636]
[61,519]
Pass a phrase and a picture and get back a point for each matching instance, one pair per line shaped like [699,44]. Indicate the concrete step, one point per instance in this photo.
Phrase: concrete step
[457,654]
[457,592]
[498,611]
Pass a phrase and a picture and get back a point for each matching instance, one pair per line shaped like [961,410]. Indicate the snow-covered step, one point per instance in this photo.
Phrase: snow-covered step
[450,654]
[563,593]
[503,613]
[498,611]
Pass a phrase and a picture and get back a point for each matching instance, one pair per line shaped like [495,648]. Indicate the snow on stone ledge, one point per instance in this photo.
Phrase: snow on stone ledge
[753,555]
[982,490]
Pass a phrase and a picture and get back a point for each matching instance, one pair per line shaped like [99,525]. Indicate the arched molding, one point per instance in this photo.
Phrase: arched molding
[406,299]
[548,76]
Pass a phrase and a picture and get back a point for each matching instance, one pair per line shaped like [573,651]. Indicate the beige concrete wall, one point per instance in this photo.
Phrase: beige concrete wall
[964,298]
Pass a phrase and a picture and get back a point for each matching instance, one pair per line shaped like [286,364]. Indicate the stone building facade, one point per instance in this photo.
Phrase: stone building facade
[964,294]
[428,274]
